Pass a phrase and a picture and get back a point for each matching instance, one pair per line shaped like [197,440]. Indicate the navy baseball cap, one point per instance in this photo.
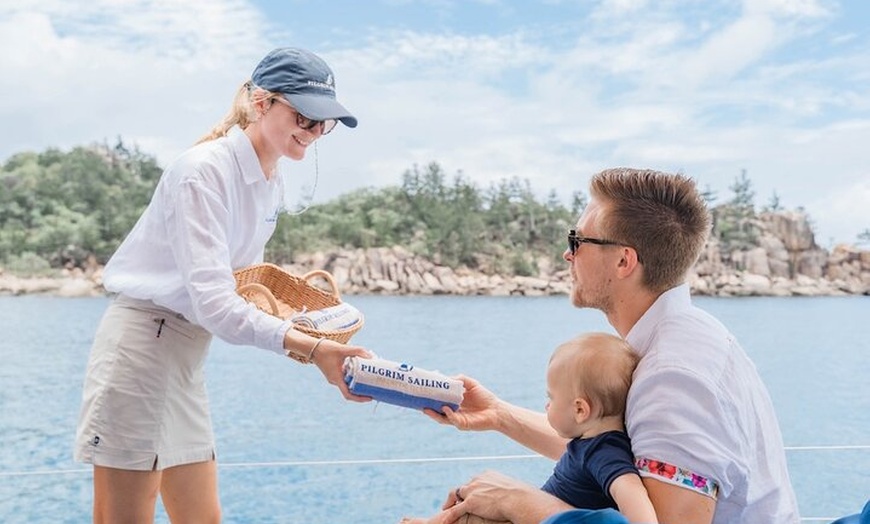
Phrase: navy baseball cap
[305,81]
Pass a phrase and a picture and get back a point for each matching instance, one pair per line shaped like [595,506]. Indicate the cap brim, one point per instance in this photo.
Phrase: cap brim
[321,108]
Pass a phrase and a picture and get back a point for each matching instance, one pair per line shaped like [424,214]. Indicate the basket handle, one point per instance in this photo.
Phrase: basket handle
[255,288]
[326,276]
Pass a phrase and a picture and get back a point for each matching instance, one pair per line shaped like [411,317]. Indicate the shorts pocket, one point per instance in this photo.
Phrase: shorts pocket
[178,326]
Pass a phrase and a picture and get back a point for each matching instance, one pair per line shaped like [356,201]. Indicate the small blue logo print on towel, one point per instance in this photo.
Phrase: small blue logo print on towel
[405,367]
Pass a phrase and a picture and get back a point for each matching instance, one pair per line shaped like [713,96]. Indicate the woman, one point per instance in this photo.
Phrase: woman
[145,422]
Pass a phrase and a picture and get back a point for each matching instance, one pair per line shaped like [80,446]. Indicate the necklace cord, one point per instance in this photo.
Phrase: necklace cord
[310,199]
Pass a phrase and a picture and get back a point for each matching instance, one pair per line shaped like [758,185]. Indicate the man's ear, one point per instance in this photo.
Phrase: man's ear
[582,410]
[628,261]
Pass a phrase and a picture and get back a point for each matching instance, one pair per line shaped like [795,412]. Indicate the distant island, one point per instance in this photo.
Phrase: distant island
[64,213]
[786,262]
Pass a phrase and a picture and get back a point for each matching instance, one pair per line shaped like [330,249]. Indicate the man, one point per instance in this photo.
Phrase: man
[703,429]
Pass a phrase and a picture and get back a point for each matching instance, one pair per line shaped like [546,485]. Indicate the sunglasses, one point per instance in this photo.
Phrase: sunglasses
[308,124]
[574,241]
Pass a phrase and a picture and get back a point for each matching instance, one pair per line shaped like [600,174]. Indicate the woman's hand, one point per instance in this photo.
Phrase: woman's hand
[329,358]
[478,411]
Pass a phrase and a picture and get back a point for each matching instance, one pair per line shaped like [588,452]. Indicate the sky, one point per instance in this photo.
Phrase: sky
[549,91]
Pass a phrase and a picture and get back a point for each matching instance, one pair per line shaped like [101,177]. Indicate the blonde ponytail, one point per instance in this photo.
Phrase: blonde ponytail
[241,113]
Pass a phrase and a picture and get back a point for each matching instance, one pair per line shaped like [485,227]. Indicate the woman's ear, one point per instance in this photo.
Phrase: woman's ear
[261,106]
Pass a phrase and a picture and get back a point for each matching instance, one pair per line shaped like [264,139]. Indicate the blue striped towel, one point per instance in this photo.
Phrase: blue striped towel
[335,318]
[402,384]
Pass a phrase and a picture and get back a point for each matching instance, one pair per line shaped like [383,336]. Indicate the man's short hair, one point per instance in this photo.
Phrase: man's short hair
[661,215]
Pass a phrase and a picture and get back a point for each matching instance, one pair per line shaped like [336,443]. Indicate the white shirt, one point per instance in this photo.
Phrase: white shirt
[697,402]
[212,212]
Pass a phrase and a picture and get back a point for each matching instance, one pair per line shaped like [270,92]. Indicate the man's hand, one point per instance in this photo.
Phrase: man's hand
[495,496]
[478,411]
[481,410]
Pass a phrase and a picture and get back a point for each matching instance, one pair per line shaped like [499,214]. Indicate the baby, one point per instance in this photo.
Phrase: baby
[587,383]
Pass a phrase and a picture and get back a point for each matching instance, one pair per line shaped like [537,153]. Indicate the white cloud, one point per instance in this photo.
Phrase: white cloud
[800,8]
[621,7]
[844,208]
[98,70]
[710,93]
[728,52]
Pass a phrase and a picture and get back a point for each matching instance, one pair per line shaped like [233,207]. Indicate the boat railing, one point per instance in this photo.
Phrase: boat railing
[417,460]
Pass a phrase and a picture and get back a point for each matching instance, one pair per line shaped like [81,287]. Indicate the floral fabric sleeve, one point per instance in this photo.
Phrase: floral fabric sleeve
[676,475]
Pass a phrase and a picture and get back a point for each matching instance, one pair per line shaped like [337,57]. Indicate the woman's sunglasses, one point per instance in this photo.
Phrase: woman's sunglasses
[306,123]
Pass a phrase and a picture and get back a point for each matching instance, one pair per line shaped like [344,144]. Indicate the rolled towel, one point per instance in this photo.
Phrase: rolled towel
[402,384]
[334,318]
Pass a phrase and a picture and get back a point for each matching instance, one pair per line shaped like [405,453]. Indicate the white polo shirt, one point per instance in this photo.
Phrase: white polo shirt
[212,212]
[697,402]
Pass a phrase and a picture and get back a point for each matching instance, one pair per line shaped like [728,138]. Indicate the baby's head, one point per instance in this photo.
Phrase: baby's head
[587,380]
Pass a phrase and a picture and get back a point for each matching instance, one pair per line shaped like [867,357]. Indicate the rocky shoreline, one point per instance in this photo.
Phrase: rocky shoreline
[394,271]
[785,262]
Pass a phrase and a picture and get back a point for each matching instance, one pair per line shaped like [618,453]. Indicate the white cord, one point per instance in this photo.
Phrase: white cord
[390,461]
[308,201]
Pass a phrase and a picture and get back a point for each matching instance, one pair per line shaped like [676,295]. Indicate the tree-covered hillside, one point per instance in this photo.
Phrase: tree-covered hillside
[60,208]
[72,209]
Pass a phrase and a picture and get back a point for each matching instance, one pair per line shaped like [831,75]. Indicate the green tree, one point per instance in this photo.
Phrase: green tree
[578,203]
[445,216]
[66,207]
[774,204]
[735,221]
[709,195]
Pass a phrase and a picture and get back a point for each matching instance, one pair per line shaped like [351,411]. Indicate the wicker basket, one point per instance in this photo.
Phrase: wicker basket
[282,294]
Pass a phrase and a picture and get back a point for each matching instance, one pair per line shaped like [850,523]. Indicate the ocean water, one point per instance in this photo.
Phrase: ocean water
[291,450]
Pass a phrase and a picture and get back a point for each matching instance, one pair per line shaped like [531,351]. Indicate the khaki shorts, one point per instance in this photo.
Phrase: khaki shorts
[144,402]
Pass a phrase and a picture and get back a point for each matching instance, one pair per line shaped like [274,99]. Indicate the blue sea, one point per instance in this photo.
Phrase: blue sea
[291,450]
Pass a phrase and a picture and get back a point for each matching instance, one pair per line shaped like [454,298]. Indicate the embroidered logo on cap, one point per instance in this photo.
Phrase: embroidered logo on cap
[329,83]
